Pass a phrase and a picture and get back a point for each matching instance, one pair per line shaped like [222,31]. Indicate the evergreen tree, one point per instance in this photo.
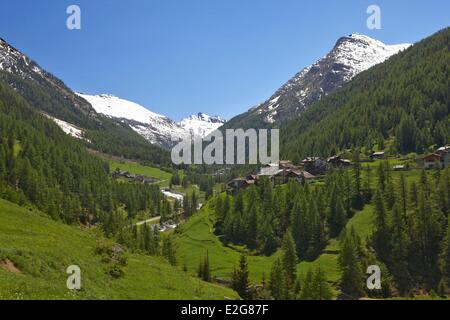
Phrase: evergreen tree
[350,263]
[400,248]
[204,270]
[277,280]
[289,263]
[381,235]
[168,250]
[315,286]
[445,259]
[240,279]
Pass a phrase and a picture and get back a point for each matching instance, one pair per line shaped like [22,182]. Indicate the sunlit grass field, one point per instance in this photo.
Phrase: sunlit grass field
[41,249]
[136,168]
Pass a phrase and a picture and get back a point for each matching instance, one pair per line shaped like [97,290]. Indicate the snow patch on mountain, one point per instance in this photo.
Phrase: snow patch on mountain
[13,61]
[364,52]
[68,128]
[113,106]
[155,128]
[201,124]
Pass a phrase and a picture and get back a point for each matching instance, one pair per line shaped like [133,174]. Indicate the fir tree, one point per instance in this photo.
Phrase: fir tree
[350,263]
[240,279]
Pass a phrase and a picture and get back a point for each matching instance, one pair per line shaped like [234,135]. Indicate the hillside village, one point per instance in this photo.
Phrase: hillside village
[312,168]
[284,171]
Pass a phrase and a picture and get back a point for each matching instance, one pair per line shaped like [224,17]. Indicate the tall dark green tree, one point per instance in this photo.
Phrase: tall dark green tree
[240,279]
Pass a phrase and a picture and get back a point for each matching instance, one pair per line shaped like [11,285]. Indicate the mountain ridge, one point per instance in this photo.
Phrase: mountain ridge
[155,128]
[50,96]
[350,56]
[405,98]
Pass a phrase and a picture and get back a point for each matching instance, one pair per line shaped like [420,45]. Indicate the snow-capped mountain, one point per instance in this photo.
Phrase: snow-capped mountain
[156,128]
[18,64]
[350,56]
[13,61]
[201,124]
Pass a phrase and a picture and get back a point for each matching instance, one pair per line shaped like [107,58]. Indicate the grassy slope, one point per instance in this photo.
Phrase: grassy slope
[196,237]
[42,249]
[136,168]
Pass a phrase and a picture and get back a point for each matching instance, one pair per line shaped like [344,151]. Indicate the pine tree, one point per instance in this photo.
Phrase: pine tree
[400,247]
[240,279]
[276,283]
[321,288]
[350,264]
[289,263]
[357,200]
[168,250]
[381,235]
[445,256]
[194,202]
[306,291]
[315,286]
[204,269]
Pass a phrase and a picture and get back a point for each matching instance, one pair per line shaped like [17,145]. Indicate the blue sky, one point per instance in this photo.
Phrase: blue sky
[179,57]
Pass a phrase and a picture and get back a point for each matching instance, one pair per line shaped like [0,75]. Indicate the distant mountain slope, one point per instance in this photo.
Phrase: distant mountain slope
[350,56]
[155,128]
[51,96]
[33,265]
[406,97]
[201,124]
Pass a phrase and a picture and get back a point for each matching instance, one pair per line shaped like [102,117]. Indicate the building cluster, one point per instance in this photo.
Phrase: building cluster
[285,171]
[133,177]
[438,159]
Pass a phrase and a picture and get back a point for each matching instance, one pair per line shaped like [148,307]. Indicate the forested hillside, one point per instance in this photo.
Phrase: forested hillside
[308,233]
[42,166]
[102,133]
[407,97]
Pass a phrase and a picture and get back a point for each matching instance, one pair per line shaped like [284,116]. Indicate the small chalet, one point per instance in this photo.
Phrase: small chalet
[315,165]
[337,161]
[132,177]
[240,183]
[377,155]
[284,172]
[439,159]
[278,173]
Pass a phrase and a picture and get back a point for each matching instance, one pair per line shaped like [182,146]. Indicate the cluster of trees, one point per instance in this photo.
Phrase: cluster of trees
[102,133]
[410,241]
[144,238]
[285,284]
[406,98]
[190,203]
[261,215]
[42,167]
[411,234]
[204,269]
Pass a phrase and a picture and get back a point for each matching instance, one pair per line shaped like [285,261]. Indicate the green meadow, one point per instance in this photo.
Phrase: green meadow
[196,237]
[136,168]
[36,251]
